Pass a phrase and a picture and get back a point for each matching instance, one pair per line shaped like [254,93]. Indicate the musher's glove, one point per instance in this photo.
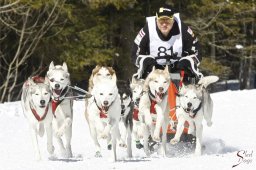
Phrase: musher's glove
[141,65]
[190,65]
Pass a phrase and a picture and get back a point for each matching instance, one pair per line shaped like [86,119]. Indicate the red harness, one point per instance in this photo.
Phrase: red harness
[37,116]
[103,115]
[135,114]
[152,107]
[55,104]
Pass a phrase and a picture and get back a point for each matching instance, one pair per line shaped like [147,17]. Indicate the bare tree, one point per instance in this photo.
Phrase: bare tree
[25,26]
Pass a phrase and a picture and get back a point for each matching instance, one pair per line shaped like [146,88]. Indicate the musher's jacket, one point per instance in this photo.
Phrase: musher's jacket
[150,41]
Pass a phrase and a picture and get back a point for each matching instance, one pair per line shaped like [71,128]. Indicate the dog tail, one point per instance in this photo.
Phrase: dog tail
[205,81]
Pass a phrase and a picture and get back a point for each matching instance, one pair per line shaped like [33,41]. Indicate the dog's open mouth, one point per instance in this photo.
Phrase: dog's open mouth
[105,108]
[188,109]
[42,106]
[159,95]
[57,91]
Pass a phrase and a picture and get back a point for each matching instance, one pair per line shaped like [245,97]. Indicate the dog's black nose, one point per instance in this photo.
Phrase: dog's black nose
[189,104]
[57,86]
[105,103]
[161,89]
[42,102]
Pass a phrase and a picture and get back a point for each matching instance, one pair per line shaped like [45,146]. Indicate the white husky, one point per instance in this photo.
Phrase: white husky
[104,110]
[154,106]
[36,106]
[193,104]
[62,108]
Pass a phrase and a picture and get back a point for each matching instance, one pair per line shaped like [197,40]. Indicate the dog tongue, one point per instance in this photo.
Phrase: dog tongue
[159,96]
[57,91]
[105,108]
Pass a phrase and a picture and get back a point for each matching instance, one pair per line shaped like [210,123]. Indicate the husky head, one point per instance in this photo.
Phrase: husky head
[157,83]
[40,94]
[137,89]
[191,96]
[58,76]
[125,94]
[105,92]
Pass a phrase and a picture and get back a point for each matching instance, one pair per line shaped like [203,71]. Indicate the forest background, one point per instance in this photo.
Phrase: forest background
[84,33]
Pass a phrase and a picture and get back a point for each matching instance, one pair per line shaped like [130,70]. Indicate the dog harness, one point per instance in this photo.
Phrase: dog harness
[135,114]
[36,115]
[57,100]
[55,104]
[103,114]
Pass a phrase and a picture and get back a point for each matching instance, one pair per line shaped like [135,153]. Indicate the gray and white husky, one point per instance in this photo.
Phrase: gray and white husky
[193,104]
[36,106]
[59,79]
[126,122]
[137,90]
[154,107]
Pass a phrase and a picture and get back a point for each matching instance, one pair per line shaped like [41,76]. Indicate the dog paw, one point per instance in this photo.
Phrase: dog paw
[156,138]
[104,135]
[209,124]
[139,145]
[123,145]
[174,141]
[140,136]
[59,133]
[50,149]
[98,154]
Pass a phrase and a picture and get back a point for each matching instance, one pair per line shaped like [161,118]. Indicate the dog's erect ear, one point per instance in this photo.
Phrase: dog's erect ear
[153,69]
[134,80]
[51,66]
[65,67]
[67,75]
[205,81]
[31,82]
[166,70]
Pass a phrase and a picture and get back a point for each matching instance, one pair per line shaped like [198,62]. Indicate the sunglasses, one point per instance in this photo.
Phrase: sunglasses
[162,21]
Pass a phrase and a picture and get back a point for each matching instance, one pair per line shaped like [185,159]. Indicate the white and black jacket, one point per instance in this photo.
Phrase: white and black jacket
[150,41]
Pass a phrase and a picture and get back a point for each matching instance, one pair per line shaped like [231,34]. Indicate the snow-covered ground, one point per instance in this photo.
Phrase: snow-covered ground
[230,141]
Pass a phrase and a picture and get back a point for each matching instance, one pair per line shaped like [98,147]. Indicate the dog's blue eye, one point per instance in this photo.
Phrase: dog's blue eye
[52,80]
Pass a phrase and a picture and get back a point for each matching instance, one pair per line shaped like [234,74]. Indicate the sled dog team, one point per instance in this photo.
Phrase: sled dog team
[119,111]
